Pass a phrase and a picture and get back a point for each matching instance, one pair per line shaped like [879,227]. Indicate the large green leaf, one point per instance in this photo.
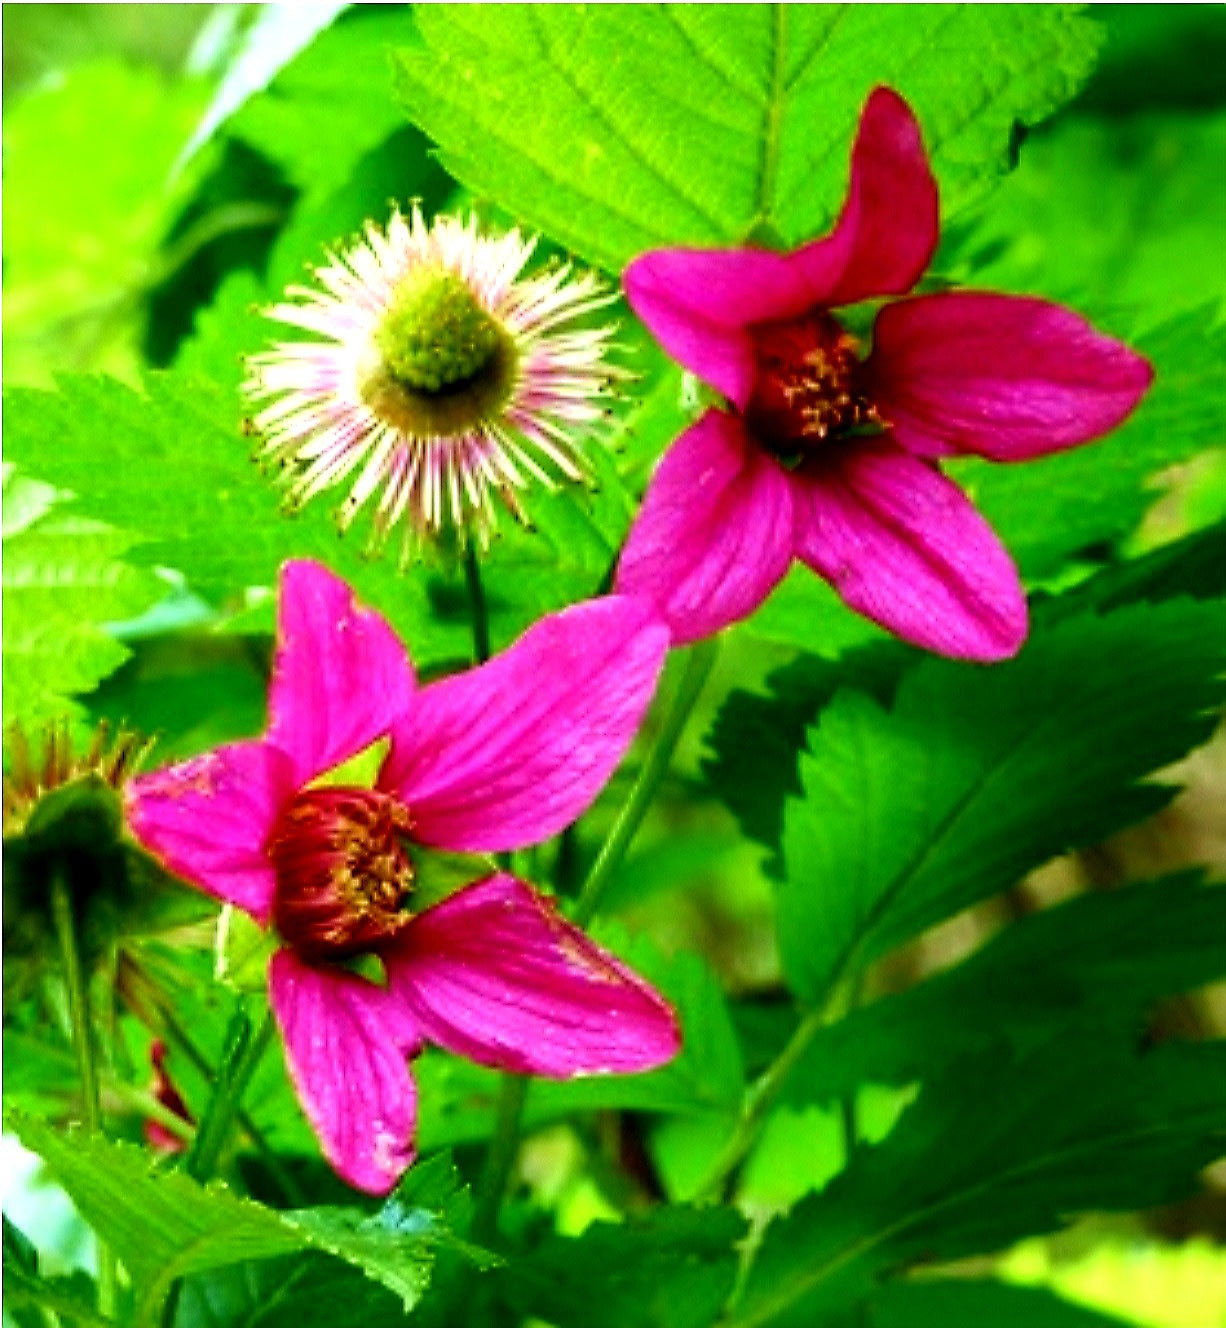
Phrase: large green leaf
[751,760]
[619,128]
[995,1150]
[671,1269]
[1099,959]
[974,777]
[1124,213]
[64,579]
[954,1303]
[164,1226]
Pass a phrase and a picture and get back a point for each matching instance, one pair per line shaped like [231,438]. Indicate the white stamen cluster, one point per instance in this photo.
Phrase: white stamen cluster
[331,410]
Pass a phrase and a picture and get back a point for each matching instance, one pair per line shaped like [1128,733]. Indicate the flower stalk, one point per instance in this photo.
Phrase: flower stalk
[79,1014]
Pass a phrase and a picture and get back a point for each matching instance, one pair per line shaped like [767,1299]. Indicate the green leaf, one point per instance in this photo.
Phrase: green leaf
[63,582]
[1124,213]
[1099,959]
[84,212]
[673,1268]
[995,1150]
[751,757]
[332,103]
[972,1304]
[974,777]
[164,1225]
[620,128]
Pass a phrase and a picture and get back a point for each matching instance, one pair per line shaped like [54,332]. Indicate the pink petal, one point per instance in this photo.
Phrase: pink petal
[903,545]
[1002,376]
[890,224]
[495,974]
[698,303]
[350,1075]
[508,754]
[714,534]
[208,818]
[341,676]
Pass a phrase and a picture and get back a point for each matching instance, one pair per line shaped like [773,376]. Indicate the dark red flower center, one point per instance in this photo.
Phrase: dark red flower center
[343,873]
[807,384]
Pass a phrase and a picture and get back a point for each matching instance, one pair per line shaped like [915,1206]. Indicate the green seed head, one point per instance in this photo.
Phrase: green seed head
[435,335]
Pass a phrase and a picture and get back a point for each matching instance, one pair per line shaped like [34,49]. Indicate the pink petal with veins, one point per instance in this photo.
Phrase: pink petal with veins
[349,1073]
[494,973]
[340,677]
[207,819]
[902,545]
[714,534]
[1001,376]
[509,753]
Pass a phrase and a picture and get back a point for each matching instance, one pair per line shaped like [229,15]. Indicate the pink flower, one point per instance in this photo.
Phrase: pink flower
[832,458]
[500,757]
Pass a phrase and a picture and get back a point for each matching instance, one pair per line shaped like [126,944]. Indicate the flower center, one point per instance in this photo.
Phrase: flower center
[342,871]
[435,334]
[806,384]
[441,365]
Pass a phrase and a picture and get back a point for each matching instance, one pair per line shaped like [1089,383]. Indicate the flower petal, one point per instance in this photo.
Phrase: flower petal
[495,974]
[714,534]
[207,820]
[511,752]
[890,224]
[341,676]
[351,1077]
[903,545]
[698,303]
[1002,376]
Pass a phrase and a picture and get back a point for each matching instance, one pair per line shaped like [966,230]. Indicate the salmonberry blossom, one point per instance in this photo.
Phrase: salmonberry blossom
[830,455]
[499,757]
[438,375]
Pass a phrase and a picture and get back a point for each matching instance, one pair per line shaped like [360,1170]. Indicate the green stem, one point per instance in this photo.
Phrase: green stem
[223,1110]
[178,1036]
[480,610]
[495,1175]
[697,668]
[77,985]
[764,1092]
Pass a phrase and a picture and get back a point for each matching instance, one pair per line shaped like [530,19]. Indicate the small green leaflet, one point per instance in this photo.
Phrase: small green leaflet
[164,1226]
[996,1149]
[64,579]
[621,128]
[975,776]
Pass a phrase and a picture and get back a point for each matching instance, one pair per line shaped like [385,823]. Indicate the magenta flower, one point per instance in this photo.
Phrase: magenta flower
[494,759]
[832,458]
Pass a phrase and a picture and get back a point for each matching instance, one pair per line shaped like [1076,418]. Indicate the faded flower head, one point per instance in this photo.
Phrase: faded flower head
[494,759]
[437,376]
[830,451]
